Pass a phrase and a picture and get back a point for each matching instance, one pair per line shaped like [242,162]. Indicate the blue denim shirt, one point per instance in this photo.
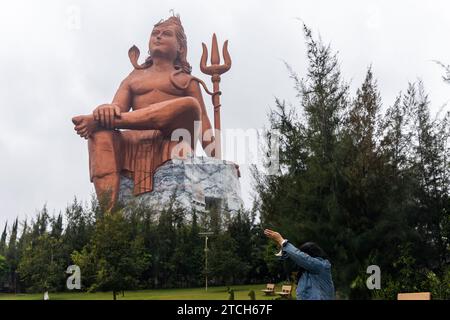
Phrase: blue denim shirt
[316,282]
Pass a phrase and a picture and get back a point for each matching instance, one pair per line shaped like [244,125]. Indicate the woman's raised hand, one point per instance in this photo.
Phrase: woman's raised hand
[275,236]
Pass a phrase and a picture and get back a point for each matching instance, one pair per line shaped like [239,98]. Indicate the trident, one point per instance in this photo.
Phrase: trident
[215,70]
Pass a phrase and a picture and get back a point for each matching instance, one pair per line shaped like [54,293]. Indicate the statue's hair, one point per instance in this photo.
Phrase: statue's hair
[181,60]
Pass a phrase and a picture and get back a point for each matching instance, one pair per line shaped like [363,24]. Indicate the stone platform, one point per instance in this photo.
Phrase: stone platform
[197,183]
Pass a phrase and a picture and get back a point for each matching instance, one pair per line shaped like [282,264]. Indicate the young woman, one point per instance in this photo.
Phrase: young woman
[315,282]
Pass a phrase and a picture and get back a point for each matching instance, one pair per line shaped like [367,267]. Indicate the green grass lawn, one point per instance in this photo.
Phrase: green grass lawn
[213,293]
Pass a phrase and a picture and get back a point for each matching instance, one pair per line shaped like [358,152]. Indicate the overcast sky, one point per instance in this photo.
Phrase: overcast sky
[63,58]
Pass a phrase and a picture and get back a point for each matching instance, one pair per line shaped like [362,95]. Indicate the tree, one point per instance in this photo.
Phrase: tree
[3,240]
[446,68]
[431,170]
[12,256]
[80,224]
[187,258]
[163,247]
[240,229]
[363,193]
[303,200]
[3,271]
[41,267]
[24,242]
[57,227]
[117,256]
[225,265]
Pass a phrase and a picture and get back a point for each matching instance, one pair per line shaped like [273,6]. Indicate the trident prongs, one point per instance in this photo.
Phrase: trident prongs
[215,70]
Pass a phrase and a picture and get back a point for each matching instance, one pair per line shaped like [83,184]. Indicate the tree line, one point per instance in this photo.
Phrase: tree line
[135,247]
[368,183]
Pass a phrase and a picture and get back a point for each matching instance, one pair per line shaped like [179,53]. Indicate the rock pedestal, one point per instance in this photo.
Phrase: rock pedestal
[197,183]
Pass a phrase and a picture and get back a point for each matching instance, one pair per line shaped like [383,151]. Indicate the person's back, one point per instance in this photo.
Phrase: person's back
[317,285]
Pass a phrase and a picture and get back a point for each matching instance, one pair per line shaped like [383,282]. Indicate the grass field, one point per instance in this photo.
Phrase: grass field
[213,293]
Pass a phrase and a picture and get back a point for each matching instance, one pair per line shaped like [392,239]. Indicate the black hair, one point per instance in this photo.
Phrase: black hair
[313,250]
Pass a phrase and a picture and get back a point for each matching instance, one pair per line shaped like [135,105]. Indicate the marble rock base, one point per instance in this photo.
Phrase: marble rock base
[197,183]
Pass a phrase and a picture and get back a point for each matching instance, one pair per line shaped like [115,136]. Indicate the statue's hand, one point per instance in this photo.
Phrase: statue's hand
[105,115]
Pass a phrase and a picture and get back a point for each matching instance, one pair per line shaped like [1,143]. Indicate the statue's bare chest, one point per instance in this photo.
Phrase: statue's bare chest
[145,83]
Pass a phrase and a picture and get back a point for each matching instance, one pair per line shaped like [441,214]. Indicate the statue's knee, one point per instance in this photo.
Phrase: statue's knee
[187,112]
[193,106]
[103,137]
[104,148]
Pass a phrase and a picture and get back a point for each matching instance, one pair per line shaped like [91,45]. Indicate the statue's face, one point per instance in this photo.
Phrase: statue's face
[163,40]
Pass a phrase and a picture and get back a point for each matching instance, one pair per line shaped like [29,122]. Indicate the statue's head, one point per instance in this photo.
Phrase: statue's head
[168,38]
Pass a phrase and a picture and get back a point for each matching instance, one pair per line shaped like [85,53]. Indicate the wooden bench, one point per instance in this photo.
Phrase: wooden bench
[414,296]
[285,292]
[269,290]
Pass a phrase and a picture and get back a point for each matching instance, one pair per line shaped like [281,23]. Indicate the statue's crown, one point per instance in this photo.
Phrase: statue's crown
[173,20]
